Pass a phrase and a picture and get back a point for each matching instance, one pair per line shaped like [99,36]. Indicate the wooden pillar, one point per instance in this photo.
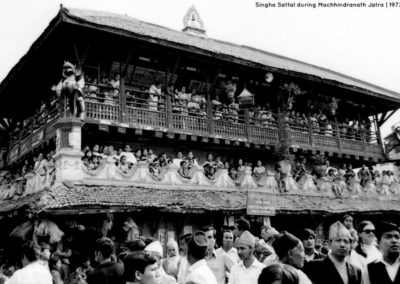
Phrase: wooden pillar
[122,101]
[247,123]
[339,141]
[168,111]
[310,132]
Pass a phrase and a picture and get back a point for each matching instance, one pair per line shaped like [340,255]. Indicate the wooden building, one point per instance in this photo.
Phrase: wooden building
[136,55]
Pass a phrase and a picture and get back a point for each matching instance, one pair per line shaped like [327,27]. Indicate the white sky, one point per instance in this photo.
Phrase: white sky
[359,42]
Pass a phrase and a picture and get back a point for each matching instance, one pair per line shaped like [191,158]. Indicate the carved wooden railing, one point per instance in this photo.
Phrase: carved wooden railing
[133,107]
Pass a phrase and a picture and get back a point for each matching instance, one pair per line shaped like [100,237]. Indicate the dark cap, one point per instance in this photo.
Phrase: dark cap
[185,236]
[198,244]
[385,227]
[200,239]
[284,244]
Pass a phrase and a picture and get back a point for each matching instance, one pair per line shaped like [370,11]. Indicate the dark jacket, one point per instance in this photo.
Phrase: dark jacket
[317,255]
[107,273]
[378,274]
[323,271]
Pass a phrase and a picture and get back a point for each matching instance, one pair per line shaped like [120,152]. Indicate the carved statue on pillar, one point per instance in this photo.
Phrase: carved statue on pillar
[71,88]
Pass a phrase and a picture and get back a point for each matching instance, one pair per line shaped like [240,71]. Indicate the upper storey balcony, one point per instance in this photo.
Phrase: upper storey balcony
[168,115]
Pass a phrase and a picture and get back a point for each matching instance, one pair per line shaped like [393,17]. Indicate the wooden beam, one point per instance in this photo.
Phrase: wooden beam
[123,72]
[382,118]
[389,116]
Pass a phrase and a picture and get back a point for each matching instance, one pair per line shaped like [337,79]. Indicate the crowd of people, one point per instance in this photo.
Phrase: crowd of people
[368,255]
[42,164]
[227,108]
[367,179]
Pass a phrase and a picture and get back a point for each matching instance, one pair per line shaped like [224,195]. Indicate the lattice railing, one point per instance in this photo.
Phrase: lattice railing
[102,111]
[146,117]
[264,135]
[189,123]
[326,141]
[228,129]
[300,138]
[352,146]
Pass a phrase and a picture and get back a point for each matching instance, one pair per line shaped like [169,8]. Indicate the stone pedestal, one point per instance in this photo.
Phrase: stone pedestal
[68,150]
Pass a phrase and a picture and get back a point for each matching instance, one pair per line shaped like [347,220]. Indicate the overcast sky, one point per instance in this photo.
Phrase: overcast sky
[359,42]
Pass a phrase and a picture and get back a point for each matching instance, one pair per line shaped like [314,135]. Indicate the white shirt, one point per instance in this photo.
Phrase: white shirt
[373,253]
[232,253]
[34,273]
[130,158]
[183,270]
[200,273]
[240,274]
[392,268]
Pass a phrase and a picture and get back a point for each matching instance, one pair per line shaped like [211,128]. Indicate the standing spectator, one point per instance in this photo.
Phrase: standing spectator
[33,272]
[366,244]
[308,238]
[199,272]
[248,270]
[155,248]
[154,95]
[240,226]
[290,251]
[173,259]
[183,269]
[227,246]
[335,267]
[268,235]
[141,268]
[219,263]
[108,271]
[55,266]
[278,273]
[386,270]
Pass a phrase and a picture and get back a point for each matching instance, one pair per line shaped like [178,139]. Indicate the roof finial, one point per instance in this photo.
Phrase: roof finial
[192,22]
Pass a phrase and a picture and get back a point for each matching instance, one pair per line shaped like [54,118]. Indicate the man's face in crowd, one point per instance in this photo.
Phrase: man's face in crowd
[309,243]
[296,256]
[236,231]
[390,243]
[340,246]
[245,252]
[211,239]
[227,239]
[184,247]
[151,275]
[172,251]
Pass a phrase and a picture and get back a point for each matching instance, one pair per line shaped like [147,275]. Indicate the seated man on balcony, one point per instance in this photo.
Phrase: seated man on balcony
[123,165]
[183,170]
[154,95]
[130,158]
[178,159]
